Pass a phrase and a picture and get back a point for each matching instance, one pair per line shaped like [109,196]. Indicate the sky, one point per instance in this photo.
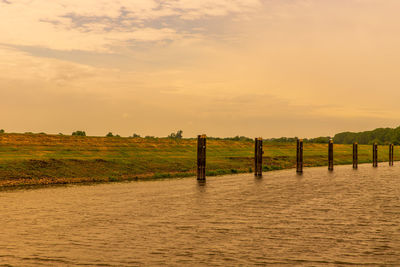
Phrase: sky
[267,68]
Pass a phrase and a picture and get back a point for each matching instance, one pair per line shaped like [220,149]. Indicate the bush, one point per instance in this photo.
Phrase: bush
[110,134]
[239,138]
[79,133]
[135,136]
[2,131]
[177,135]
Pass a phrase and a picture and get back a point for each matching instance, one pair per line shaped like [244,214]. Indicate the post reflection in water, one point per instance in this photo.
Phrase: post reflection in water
[201,184]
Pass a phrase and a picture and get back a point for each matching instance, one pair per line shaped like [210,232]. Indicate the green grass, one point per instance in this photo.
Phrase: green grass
[46,159]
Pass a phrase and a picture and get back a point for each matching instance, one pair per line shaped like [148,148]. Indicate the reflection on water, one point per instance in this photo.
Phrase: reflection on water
[201,189]
[318,218]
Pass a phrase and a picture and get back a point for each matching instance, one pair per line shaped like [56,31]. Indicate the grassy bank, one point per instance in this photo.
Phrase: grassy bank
[27,159]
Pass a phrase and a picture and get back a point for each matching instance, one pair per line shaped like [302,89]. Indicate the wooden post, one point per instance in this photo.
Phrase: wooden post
[355,156]
[330,155]
[375,155]
[201,157]
[299,156]
[258,156]
[391,155]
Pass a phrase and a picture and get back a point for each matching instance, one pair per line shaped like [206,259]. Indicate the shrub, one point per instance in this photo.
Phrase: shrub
[2,131]
[177,135]
[238,138]
[110,134]
[79,133]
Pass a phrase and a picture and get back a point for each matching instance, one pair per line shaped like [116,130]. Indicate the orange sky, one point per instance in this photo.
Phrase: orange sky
[266,68]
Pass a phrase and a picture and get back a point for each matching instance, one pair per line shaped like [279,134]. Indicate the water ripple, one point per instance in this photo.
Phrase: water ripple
[320,218]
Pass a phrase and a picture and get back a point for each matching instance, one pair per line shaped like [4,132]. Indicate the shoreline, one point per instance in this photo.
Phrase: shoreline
[31,160]
[11,184]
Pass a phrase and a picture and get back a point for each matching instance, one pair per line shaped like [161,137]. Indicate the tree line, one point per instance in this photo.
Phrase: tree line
[381,136]
[177,135]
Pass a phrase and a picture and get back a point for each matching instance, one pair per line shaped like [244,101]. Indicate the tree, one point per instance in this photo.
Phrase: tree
[79,133]
[177,135]
[110,134]
[318,140]
[135,136]
[380,136]
[2,131]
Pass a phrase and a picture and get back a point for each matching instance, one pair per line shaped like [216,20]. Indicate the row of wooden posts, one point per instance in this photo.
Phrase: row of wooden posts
[258,156]
[299,160]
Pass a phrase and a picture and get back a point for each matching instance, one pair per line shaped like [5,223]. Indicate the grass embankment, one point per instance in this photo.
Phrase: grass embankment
[31,159]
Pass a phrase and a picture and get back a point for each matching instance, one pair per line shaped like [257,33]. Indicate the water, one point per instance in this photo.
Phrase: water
[321,218]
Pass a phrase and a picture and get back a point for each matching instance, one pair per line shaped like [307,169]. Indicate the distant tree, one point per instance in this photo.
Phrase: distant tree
[79,133]
[379,136]
[110,134]
[239,138]
[177,135]
[318,140]
[135,136]
[2,131]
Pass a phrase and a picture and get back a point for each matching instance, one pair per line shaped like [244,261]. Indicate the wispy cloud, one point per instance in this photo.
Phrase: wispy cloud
[98,25]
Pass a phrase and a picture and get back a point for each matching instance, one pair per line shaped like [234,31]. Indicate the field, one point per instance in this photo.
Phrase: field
[31,159]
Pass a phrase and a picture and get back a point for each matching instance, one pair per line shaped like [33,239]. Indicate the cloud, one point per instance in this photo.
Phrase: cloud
[98,25]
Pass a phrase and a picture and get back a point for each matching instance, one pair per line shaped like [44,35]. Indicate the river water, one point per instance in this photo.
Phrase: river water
[342,218]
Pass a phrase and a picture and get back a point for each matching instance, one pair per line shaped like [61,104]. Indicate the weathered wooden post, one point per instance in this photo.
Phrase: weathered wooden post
[330,155]
[299,156]
[201,157]
[375,155]
[258,156]
[355,155]
[391,155]
[255,157]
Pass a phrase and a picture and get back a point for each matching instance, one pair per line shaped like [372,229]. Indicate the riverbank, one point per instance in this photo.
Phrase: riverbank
[39,159]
